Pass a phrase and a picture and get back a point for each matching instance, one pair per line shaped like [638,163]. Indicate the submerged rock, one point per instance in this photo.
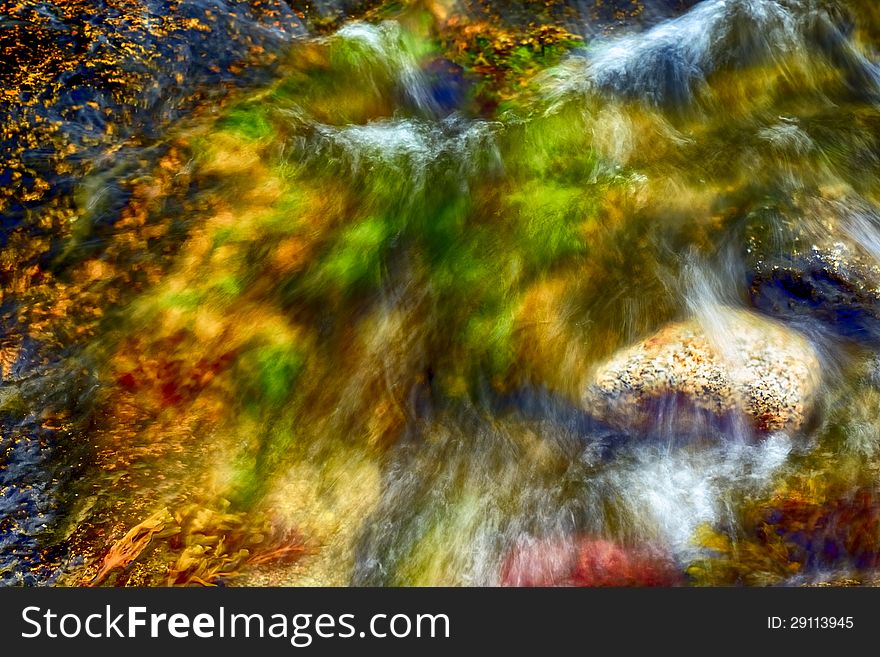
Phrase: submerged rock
[447,84]
[736,366]
[816,264]
[835,283]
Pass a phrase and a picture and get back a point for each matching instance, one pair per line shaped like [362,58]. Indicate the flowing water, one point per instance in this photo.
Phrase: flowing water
[442,293]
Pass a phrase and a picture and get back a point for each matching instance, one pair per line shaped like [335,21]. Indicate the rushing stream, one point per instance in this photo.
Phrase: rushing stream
[440,293]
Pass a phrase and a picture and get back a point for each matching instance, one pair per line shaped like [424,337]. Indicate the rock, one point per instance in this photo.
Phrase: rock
[815,263]
[588,561]
[746,367]
[81,79]
[447,84]
[836,283]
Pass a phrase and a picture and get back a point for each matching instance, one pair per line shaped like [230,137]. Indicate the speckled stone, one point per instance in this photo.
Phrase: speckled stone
[745,366]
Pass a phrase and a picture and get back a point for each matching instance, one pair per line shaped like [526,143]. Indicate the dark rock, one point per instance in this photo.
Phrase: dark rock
[835,284]
[78,78]
[447,84]
[821,271]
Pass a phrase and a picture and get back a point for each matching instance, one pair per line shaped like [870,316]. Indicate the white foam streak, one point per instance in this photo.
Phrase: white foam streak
[669,63]
[671,493]
[411,148]
[383,45]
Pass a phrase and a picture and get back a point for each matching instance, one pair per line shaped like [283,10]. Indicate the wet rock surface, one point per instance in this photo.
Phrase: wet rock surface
[43,413]
[740,364]
[815,264]
[834,283]
[79,79]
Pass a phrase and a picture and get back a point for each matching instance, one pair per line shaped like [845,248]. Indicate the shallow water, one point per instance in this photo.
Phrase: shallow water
[432,294]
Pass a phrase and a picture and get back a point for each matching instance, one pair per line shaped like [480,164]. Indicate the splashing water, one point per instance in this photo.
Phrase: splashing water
[671,63]
[382,46]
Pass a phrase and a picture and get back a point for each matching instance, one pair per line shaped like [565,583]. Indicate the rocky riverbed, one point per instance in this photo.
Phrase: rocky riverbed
[439,292]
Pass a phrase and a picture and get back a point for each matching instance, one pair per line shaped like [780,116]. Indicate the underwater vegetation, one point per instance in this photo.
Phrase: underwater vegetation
[440,293]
